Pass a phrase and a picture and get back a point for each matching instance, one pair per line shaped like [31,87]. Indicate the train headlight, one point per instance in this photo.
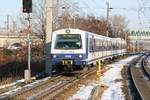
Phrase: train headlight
[54,56]
[68,30]
[80,56]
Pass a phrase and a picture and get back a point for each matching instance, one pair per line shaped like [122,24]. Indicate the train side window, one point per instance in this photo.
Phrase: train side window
[101,48]
[108,45]
[101,45]
[104,45]
[94,45]
[91,45]
[96,41]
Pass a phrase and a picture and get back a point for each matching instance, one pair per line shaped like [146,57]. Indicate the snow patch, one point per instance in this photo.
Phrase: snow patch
[114,91]
[84,92]
[12,84]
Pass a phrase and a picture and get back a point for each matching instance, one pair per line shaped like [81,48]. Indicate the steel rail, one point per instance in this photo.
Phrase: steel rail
[145,70]
[27,89]
[135,87]
[137,92]
[53,91]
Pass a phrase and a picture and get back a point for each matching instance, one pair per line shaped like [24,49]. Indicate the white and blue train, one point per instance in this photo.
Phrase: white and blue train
[75,47]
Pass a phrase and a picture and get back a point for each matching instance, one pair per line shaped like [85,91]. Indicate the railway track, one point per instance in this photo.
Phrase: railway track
[145,68]
[52,92]
[139,85]
[46,89]
[9,88]
[25,91]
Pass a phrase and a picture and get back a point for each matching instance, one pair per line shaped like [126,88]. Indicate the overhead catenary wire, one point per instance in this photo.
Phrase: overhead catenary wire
[143,13]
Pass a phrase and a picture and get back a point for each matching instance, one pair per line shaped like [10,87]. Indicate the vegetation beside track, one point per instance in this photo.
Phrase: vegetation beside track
[14,62]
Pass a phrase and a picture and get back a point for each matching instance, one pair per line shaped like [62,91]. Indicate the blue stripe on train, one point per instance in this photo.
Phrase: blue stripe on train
[69,56]
[76,62]
[75,57]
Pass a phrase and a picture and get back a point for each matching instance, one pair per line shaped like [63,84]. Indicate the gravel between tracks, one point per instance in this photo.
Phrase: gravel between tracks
[125,83]
[72,90]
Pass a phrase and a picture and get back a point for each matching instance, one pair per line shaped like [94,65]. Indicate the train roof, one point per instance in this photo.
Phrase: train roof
[68,30]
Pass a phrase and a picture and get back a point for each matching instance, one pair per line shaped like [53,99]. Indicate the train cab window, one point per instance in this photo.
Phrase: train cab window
[68,41]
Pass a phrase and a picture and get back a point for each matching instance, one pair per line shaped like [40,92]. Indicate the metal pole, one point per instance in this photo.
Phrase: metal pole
[107,3]
[48,65]
[29,52]
[8,23]
[28,71]
[29,43]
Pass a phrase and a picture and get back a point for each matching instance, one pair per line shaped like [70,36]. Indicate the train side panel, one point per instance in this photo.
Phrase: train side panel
[107,48]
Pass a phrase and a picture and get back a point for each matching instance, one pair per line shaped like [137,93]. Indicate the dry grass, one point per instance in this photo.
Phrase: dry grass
[9,80]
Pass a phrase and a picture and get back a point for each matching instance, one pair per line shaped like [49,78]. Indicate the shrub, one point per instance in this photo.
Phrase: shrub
[7,52]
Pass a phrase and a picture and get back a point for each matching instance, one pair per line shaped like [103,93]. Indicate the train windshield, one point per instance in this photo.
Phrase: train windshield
[68,41]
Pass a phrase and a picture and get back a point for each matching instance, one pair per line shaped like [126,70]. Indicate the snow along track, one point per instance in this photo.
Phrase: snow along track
[41,89]
[26,91]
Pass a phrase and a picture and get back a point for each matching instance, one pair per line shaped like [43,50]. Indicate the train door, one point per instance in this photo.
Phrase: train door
[91,48]
[100,48]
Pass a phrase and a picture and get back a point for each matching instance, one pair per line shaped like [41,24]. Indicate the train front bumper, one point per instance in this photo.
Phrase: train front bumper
[70,62]
[72,59]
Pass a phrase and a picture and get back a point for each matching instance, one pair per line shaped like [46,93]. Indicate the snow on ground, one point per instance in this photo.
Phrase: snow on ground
[83,93]
[12,84]
[114,91]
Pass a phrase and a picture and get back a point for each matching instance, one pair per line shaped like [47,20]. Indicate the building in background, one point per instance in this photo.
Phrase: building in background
[8,39]
[139,40]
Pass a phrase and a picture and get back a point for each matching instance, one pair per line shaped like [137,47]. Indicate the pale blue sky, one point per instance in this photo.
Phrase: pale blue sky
[96,7]
[10,6]
[120,7]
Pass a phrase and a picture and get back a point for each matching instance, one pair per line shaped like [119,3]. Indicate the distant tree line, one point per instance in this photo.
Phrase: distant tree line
[65,16]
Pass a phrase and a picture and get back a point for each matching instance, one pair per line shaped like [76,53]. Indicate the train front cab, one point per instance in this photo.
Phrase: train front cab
[68,49]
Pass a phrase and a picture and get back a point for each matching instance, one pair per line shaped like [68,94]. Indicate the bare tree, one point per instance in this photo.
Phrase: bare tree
[119,26]
[39,18]
[66,14]
[38,22]
[66,11]
[89,23]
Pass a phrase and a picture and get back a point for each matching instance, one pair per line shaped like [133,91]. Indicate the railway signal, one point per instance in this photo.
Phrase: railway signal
[27,6]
